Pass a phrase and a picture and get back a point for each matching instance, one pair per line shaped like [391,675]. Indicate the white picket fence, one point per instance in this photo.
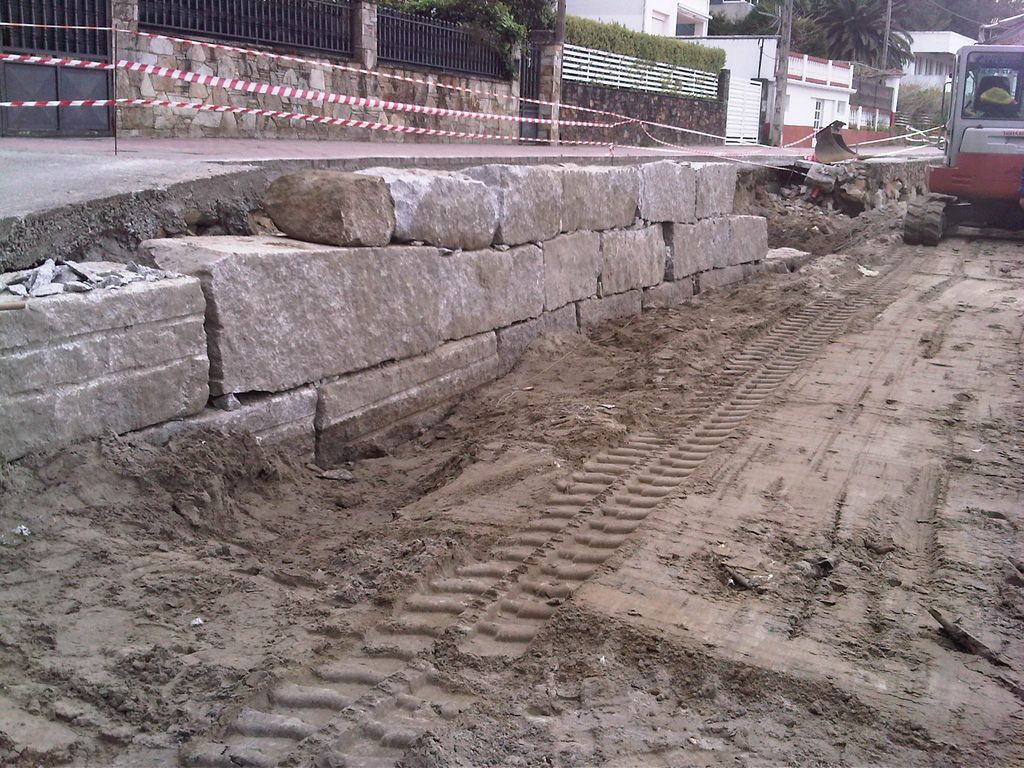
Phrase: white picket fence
[743,116]
[586,65]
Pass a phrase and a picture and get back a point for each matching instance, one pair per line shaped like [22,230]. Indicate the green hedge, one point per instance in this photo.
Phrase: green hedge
[616,38]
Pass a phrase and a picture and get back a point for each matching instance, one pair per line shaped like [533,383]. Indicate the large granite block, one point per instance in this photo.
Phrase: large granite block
[594,312]
[632,258]
[283,418]
[366,412]
[668,192]
[332,207]
[483,290]
[719,278]
[514,340]
[76,366]
[529,200]
[281,313]
[698,247]
[598,198]
[716,189]
[572,265]
[448,210]
[668,294]
[748,239]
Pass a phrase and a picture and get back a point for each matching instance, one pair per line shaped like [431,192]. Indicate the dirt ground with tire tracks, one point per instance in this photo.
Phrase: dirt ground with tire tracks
[707,536]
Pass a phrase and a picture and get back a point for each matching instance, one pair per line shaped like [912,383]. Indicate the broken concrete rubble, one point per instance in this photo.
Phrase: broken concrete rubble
[52,279]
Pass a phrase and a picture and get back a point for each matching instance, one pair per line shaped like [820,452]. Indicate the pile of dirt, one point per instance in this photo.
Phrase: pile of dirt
[816,225]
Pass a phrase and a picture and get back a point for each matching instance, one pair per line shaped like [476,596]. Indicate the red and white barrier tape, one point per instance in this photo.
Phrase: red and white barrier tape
[898,138]
[372,72]
[681,148]
[292,92]
[318,119]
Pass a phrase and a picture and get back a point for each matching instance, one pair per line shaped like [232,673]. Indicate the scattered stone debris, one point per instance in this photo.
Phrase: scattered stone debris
[52,279]
[22,530]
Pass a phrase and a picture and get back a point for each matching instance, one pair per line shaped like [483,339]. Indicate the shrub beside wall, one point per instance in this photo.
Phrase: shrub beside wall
[615,38]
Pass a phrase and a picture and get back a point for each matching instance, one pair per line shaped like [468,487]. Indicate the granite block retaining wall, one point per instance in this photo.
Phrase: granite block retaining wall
[350,349]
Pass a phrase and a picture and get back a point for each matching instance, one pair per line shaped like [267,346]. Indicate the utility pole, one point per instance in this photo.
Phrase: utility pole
[888,31]
[560,23]
[782,73]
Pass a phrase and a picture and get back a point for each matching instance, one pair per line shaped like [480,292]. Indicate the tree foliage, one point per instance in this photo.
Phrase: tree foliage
[615,38]
[855,29]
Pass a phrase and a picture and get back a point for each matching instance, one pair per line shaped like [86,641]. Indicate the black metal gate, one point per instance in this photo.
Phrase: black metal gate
[28,82]
[529,88]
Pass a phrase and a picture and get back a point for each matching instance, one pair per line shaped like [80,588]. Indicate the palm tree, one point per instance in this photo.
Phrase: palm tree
[854,30]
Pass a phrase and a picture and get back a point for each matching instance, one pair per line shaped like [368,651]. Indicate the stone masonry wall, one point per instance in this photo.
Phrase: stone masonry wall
[169,122]
[703,115]
[346,350]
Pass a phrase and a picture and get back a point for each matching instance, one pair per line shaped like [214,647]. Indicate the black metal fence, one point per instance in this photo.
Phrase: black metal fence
[417,41]
[87,43]
[324,26]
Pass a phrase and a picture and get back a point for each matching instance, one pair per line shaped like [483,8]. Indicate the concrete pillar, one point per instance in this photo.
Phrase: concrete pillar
[364,43]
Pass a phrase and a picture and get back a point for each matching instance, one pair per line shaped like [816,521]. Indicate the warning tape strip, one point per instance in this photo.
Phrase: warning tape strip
[319,119]
[287,91]
[373,72]
[622,119]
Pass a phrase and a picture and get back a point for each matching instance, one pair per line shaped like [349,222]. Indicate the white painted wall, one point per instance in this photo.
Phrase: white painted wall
[656,17]
[746,58]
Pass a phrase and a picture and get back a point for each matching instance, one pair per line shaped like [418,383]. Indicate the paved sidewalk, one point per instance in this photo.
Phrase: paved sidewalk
[41,174]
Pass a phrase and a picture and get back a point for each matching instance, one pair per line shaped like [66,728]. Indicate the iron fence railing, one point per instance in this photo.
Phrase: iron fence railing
[88,43]
[418,41]
[324,26]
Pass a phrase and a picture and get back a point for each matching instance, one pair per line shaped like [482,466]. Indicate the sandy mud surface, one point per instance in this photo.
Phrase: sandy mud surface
[707,536]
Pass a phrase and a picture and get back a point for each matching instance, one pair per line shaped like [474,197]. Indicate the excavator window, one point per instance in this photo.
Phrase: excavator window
[994,86]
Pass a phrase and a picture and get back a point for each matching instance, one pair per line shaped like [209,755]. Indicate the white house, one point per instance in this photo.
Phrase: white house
[669,18]
[732,9]
[819,91]
[934,57]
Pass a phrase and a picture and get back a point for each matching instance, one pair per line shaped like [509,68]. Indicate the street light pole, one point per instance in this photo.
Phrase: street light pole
[782,73]
[560,23]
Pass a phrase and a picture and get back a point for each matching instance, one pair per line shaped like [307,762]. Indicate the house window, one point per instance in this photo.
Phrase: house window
[686,30]
[819,110]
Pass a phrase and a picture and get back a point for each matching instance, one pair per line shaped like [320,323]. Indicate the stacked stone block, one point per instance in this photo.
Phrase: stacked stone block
[334,339]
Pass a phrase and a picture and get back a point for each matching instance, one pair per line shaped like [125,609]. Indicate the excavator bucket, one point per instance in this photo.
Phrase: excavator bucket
[829,146]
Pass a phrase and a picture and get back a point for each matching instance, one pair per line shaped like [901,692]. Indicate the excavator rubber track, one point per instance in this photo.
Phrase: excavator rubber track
[926,222]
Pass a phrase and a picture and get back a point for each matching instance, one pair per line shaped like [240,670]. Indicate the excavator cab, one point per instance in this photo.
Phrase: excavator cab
[980,181]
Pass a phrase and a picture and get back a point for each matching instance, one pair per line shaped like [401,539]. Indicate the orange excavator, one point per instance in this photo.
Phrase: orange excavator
[980,183]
